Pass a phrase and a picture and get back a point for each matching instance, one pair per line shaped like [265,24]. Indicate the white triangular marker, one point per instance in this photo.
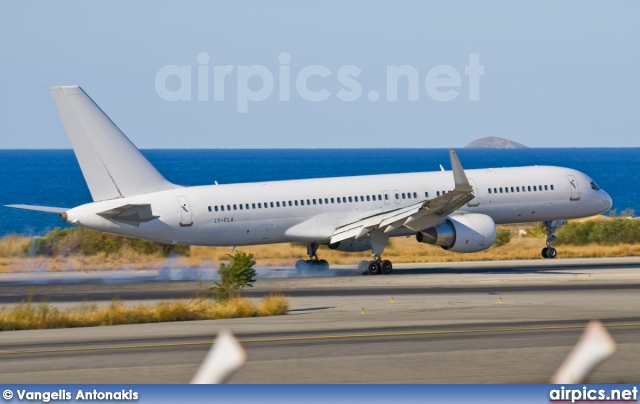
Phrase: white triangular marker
[224,358]
[594,346]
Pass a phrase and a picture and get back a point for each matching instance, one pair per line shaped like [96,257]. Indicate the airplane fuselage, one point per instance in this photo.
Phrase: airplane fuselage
[310,210]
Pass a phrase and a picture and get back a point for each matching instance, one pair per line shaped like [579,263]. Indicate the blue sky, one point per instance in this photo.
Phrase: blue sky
[556,74]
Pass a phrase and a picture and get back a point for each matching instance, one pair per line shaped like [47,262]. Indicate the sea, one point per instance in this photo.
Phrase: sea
[53,177]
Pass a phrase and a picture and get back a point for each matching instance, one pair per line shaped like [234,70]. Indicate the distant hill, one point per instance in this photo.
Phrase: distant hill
[492,142]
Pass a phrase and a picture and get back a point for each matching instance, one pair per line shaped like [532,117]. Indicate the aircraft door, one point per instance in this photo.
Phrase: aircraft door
[476,192]
[186,217]
[394,196]
[386,198]
[574,187]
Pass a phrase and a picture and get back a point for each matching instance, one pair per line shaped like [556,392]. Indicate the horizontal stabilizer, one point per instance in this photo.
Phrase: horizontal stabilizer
[47,209]
[130,214]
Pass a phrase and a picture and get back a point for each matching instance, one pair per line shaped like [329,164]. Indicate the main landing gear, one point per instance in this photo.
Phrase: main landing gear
[551,226]
[376,266]
[313,263]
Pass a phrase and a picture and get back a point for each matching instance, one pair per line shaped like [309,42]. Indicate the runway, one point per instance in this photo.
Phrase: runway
[441,327]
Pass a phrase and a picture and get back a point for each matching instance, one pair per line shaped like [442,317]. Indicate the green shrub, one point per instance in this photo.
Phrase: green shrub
[64,242]
[616,231]
[235,276]
[503,237]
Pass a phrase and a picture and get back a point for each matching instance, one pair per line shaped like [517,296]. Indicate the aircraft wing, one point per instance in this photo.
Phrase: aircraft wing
[416,216]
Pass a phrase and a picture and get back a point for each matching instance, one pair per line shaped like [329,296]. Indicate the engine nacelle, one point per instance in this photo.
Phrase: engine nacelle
[464,233]
[351,245]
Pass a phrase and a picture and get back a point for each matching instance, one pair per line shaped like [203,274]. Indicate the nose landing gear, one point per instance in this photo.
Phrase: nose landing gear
[551,226]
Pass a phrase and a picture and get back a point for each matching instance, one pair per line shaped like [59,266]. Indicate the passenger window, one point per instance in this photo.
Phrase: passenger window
[290,203]
[546,187]
[259,205]
[344,199]
[215,208]
[302,202]
[320,201]
[314,201]
[397,196]
[380,197]
[518,189]
[529,188]
[332,201]
[278,204]
[266,205]
[350,199]
[415,195]
[228,207]
[511,189]
[308,202]
[426,194]
[209,208]
[535,188]
[489,190]
[552,187]
[338,200]
[326,201]
[506,190]
[240,206]
[222,207]
[495,190]
[296,202]
[368,198]
[403,195]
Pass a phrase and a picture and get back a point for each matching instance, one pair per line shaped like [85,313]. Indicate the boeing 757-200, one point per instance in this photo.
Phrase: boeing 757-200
[457,210]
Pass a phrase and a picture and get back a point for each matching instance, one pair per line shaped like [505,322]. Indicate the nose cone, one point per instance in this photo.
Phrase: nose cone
[608,201]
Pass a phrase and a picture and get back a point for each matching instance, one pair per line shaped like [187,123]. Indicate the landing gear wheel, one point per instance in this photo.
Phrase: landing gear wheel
[544,252]
[322,265]
[386,267]
[301,265]
[362,267]
[373,268]
[551,253]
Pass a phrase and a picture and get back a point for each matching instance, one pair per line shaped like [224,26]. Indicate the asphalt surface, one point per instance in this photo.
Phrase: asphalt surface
[473,324]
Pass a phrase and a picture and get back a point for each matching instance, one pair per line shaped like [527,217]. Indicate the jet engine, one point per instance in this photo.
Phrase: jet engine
[351,245]
[464,233]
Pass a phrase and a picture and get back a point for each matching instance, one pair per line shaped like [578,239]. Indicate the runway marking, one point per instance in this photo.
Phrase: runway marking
[312,338]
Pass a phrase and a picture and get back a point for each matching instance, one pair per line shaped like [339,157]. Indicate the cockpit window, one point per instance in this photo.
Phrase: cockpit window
[595,186]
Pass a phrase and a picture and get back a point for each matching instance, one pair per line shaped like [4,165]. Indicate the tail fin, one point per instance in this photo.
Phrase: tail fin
[111,164]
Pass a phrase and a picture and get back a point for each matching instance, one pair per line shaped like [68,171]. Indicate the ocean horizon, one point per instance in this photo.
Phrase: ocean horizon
[52,177]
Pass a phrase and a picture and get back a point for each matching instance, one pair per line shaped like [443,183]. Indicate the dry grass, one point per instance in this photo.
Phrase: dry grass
[273,305]
[30,316]
[399,250]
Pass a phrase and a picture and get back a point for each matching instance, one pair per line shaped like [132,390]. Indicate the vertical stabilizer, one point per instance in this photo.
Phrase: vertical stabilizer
[112,166]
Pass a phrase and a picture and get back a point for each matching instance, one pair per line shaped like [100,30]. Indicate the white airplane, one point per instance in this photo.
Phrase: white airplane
[457,210]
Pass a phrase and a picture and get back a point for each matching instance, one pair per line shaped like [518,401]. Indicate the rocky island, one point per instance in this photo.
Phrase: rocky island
[493,142]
